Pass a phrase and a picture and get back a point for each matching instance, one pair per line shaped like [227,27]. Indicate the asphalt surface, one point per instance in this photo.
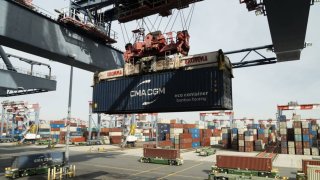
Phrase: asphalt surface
[117,165]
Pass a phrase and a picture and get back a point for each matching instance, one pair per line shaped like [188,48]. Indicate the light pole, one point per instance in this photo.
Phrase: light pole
[69,115]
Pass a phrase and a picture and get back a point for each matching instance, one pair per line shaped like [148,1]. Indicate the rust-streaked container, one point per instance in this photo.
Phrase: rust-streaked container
[242,162]
[161,153]
[165,143]
[305,131]
[306,162]
[176,125]
[185,135]
[188,126]
[186,146]
[116,139]
[306,144]
[298,145]
[299,151]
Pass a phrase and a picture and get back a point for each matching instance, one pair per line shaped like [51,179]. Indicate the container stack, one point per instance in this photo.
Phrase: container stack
[234,139]
[313,138]
[115,135]
[297,126]
[44,131]
[185,141]
[163,130]
[195,133]
[216,137]
[306,138]
[175,129]
[55,130]
[248,141]
[241,139]
[205,137]
[226,138]
[283,134]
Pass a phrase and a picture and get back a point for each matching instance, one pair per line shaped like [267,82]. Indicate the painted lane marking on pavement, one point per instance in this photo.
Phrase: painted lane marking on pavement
[180,171]
[148,170]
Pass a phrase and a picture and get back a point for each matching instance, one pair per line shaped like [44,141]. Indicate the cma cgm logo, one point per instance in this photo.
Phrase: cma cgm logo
[147,92]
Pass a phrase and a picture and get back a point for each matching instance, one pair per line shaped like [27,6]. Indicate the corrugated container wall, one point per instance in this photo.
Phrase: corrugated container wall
[174,91]
[313,172]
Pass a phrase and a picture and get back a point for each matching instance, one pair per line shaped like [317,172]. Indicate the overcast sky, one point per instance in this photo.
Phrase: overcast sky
[217,24]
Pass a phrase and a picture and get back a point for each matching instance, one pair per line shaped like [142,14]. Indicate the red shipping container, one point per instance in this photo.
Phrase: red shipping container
[298,145]
[56,122]
[188,126]
[305,131]
[55,129]
[306,144]
[284,150]
[115,129]
[78,139]
[296,124]
[241,137]
[149,145]
[165,143]
[244,163]
[248,143]
[173,121]
[161,153]
[299,151]
[306,162]
[185,140]
[105,130]
[185,135]
[116,139]
[207,133]
[176,126]
[185,145]
[196,140]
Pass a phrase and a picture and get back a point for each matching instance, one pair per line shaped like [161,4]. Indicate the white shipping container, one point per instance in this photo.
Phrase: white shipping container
[315,151]
[313,172]
[241,142]
[306,151]
[146,131]
[248,138]
[115,133]
[297,130]
[44,126]
[296,118]
[30,136]
[283,125]
[291,144]
[241,131]
[225,130]
[305,124]
[254,131]
[73,129]
[283,131]
[291,151]
[175,131]
[139,131]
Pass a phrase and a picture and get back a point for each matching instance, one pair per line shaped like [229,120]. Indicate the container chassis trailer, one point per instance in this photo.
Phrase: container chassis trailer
[206,151]
[156,160]
[238,174]
[36,164]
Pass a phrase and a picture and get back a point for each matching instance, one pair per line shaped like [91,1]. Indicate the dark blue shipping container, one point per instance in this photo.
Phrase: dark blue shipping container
[234,130]
[173,91]
[248,133]
[211,127]
[226,136]
[56,125]
[38,160]
[283,118]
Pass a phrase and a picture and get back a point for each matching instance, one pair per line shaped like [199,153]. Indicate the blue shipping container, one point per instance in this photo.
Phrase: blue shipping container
[260,131]
[56,125]
[248,133]
[283,118]
[195,136]
[305,138]
[225,136]
[234,130]
[195,144]
[211,127]
[194,131]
